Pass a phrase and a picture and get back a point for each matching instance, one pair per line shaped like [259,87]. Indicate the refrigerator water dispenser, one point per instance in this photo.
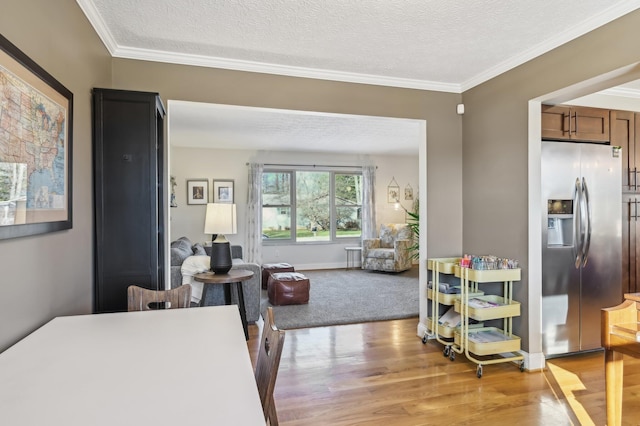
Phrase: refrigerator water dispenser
[559,223]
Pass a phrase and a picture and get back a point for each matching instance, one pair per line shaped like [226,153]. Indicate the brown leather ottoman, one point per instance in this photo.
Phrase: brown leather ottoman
[270,268]
[288,288]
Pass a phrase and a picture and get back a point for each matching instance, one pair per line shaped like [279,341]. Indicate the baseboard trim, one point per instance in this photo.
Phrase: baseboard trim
[422,330]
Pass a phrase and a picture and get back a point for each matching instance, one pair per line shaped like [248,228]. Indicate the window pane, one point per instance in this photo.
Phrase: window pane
[276,188]
[276,223]
[348,189]
[312,206]
[349,222]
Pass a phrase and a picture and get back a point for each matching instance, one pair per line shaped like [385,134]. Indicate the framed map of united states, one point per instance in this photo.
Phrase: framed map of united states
[35,147]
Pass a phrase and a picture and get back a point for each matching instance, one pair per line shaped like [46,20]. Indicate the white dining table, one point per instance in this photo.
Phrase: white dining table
[165,367]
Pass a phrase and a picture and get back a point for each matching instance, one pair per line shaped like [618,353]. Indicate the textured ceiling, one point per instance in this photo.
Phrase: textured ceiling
[201,125]
[434,44]
[449,46]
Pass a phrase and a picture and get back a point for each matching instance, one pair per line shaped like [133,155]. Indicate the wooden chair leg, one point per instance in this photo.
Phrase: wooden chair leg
[273,415]
[613,384]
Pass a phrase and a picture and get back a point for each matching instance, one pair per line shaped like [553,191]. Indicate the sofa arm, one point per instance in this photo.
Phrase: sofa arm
[402,257]
[369,244]
[402,244]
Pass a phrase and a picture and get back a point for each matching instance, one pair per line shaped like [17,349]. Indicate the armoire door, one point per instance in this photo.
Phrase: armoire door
[128,157]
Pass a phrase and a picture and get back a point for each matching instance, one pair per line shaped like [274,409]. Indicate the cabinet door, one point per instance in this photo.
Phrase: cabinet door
[634,153]
[630,252]
[623,135]
[128,157]
[555,122]
[570,123]
[590,124]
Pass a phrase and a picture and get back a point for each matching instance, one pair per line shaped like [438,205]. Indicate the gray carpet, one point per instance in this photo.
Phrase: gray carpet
[347,297]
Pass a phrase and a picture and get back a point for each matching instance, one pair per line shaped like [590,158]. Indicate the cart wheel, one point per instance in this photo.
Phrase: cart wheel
[479,371]
[446,351]
[522,366]
[452,355]
[425,339]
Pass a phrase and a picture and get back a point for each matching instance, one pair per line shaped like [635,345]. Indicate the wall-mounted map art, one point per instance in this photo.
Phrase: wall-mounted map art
[35,147]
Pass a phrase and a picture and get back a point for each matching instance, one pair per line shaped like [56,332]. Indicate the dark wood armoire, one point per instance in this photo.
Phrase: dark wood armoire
[128,158]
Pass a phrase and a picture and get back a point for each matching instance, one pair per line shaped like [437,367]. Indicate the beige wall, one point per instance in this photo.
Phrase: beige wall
[51,275]
[44,276]
[495,141]
[444,190]
[188,220]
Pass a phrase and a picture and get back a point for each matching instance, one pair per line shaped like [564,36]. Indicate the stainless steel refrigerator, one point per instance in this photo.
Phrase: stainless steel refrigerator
[581,243]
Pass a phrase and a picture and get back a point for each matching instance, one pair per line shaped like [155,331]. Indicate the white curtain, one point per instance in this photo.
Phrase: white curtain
[254,214]
[369,202]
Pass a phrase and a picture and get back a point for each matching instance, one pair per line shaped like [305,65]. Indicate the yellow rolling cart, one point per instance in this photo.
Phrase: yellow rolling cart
[495,344]
[443,333]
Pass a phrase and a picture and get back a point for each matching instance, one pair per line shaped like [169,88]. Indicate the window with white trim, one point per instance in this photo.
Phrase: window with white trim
[311,205]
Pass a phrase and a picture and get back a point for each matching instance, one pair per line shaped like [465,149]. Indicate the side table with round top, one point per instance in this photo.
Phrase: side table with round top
[234,276]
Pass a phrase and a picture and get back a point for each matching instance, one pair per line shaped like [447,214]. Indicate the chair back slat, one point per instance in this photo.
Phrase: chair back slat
[267,365]
[143,299]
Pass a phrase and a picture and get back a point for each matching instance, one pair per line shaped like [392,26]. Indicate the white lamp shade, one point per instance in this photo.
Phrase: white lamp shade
[220,219]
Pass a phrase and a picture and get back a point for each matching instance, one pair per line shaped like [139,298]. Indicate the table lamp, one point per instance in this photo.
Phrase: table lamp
[220,219]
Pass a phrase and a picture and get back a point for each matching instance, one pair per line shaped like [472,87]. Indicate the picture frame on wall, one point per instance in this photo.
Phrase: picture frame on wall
[223,191]
[408,192]
[36,133]
[197,191]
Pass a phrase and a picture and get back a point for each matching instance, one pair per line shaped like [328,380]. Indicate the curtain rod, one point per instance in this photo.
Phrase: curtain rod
[308,165]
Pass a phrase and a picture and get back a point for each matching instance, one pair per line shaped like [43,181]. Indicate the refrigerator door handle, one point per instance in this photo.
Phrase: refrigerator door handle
[577,226]
[587,237]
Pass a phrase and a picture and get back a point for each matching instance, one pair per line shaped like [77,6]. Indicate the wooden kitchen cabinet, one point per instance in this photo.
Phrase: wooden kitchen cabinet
[625,132]
[573,123]
[624,128]
[630,248]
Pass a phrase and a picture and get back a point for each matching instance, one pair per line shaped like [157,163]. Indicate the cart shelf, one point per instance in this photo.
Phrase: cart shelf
[443,330]
[503,308]
[449,299]
[488,275]
[445,265]
[449,332]
[489,341]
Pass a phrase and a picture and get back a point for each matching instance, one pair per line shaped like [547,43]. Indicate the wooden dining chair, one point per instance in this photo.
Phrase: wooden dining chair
[143,299]
[267,366]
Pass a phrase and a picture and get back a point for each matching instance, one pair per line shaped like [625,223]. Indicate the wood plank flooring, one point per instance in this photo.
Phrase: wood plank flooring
[381,373]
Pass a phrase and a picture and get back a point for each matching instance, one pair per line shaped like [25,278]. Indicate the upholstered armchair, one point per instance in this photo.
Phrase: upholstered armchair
[389,252]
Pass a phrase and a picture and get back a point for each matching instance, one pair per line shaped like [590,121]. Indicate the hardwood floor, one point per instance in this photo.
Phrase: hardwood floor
[381,374]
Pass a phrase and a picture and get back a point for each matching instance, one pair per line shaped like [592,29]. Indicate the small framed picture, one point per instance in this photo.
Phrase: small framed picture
[393,194]
[408,192]
[223,191]
[197,191]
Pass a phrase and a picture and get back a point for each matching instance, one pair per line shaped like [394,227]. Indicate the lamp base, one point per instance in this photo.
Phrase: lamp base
[220,262]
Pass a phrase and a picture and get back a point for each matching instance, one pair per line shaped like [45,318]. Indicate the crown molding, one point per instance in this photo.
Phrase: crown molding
[95,19]
[291,71]
[571,33]
[621,92]
[566,36]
